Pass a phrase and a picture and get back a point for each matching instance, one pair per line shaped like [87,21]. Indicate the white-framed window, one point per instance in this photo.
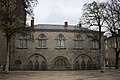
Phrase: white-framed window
[23,42]
[60,41]
[42,41]
[78,42]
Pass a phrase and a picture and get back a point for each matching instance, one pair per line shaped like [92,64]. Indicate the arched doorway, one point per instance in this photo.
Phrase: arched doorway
[18,65]
[61,63]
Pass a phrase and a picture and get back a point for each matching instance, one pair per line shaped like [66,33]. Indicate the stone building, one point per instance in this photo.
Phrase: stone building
[52,47]
[55,47]
[110,45]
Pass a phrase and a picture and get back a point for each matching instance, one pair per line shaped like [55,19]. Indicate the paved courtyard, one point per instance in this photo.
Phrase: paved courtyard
[61,75]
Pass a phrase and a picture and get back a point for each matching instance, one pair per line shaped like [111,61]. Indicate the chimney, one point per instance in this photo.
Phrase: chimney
[80,25]
[32,23]
[66,24]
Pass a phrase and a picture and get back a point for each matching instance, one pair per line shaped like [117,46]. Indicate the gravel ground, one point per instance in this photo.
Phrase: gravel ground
[61,75]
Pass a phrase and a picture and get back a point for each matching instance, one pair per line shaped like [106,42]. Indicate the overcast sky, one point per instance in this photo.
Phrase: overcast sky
[59,11]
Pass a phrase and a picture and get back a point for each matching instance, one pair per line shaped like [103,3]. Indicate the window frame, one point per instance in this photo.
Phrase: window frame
[42,41]
[94,44]
[23,42]
[60,42]
[78,42]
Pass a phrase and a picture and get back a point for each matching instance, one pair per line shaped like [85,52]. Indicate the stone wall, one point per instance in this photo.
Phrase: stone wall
[49,54]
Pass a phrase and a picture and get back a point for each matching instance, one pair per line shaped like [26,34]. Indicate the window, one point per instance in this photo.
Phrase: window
[43,66]
[18,64]
[94,44]
[83,64]
[89,65]
[106,55]
[30,65]
[60,41]
[42,41]
[78,42]
[60,63]
[77,65]
[36,66]
[23,42]
[106,47]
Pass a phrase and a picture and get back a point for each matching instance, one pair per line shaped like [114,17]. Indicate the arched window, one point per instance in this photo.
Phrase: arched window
[83,64]
[60,41]
[36,66]
[23,42]
[42,41]
[30,65]
[89,65]
[77,65]
[60,63]
[18,64]
[78,42]
[43,66]
[94,44]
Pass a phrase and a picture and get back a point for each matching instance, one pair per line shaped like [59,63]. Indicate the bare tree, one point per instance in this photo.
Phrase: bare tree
[113,24]
[93,15]
[13,20]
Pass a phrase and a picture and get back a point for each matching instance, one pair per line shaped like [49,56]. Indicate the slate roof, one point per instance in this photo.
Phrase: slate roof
[61,27]
[52,26]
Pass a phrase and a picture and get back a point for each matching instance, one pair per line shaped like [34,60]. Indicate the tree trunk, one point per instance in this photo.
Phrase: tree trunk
[100,49]
[7,55]
[117,60]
